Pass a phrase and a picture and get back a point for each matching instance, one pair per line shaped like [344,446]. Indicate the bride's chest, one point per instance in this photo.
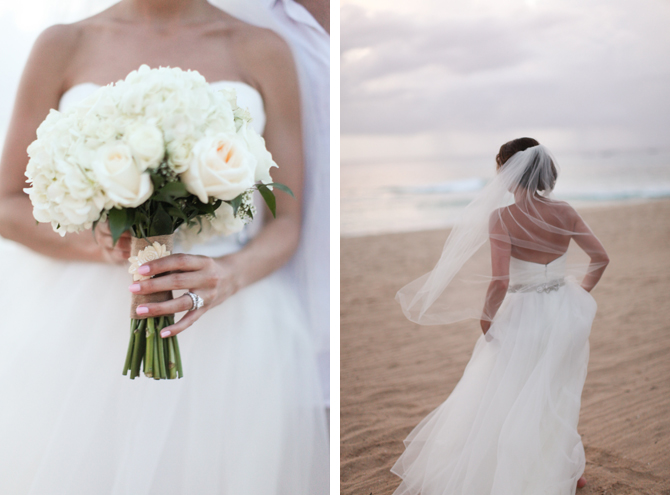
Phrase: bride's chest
[109,55]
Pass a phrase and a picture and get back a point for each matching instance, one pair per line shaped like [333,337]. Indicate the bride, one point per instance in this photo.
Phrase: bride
[247,418]
[510,425]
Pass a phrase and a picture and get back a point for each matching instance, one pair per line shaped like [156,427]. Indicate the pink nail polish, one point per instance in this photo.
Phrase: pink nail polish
[165,333]
[141,310]
[134,288]
[143,270]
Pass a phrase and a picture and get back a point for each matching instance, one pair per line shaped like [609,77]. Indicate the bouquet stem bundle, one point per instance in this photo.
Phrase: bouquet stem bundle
[159,358]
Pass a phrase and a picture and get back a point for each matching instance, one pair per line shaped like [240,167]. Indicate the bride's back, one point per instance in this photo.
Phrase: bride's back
[539,232]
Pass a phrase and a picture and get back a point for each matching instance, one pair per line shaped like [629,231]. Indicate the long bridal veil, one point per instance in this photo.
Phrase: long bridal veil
[516,208]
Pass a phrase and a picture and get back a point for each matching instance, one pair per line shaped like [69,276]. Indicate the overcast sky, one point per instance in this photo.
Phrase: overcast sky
[431,78]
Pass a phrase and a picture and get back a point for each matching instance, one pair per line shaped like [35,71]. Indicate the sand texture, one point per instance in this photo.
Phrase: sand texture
[394,372]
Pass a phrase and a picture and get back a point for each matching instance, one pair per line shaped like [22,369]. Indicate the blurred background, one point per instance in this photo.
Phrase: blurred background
[430,89]
[20,24]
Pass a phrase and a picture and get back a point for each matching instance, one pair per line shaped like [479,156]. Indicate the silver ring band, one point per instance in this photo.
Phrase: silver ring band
[197,301]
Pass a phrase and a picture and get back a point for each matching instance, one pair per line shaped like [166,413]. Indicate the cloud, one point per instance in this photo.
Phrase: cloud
[567,66]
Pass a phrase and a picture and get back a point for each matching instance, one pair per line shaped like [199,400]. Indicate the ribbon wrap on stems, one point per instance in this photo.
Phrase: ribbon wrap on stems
[138,244]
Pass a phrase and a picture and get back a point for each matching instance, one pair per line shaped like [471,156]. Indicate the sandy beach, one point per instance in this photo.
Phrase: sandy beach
[394,372]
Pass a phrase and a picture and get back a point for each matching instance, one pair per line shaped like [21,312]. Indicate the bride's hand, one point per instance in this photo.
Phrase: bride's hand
[111,253]
[486,324]
[213,280]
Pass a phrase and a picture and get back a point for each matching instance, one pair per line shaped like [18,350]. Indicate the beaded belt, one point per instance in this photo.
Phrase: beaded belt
[539,288]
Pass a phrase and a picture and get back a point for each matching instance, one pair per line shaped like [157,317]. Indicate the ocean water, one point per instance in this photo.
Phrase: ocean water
[383,197]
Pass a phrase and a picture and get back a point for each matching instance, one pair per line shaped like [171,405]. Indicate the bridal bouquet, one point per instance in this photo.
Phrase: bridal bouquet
[156,152]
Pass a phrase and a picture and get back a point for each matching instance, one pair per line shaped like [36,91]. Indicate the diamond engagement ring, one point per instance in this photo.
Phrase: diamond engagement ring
[197,301]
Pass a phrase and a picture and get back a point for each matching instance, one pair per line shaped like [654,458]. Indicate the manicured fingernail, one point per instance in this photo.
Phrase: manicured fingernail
[165,333]
[134,288]
[141,310]
[143,270]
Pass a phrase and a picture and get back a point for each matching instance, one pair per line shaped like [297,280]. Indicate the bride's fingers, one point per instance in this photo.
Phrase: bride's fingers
[105,240]
[116,255]
[189,319]
[182,303]
[173,281]
[172,263]
[119,256]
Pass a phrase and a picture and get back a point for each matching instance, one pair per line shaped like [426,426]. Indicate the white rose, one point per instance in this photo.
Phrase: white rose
[121,179]
[257,147]
[221,167]
[179,155]
[147,146]
[225,222]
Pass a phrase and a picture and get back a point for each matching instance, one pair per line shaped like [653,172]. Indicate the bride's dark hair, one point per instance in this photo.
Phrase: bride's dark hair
[506,152]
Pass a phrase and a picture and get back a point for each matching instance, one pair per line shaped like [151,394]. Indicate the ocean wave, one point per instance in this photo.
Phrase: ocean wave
[615,194]
[472,184]
[462,187]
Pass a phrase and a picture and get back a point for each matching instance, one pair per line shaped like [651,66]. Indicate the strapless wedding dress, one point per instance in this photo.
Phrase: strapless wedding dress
[247,419]
[510,425]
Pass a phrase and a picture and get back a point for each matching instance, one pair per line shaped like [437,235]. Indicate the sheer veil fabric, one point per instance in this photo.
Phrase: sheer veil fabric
[514,212]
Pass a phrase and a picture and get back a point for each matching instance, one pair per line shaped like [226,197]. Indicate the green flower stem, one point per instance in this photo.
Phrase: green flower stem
[138,349]
[129,354]
[161,357]
[156,358]
[172,361]
[149,354]
[180,370]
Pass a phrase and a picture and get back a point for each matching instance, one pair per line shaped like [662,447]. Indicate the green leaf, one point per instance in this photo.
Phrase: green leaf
[177,213]
[175,190]
[161,222]
[157,179]
[236,202]
[282,187]
[269,198]
[118,223]
[165,199]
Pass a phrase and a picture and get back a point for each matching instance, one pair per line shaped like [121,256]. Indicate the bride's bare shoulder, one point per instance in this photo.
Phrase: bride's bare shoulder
[563,208]
[46,68]
[253,44]
[58,41]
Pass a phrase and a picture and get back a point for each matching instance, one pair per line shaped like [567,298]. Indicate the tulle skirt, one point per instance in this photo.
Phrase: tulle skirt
[246,418]
[510,425]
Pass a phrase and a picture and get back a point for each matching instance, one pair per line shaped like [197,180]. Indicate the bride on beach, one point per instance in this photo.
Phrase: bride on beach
[247,419]
[510,425]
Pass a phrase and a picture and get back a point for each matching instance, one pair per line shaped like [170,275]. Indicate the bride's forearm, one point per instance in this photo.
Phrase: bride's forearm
[17,224]
[268,251]
[595,272]
[494,298]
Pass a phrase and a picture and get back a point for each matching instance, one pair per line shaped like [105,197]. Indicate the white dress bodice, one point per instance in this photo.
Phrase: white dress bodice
[523,273]
[247,97]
